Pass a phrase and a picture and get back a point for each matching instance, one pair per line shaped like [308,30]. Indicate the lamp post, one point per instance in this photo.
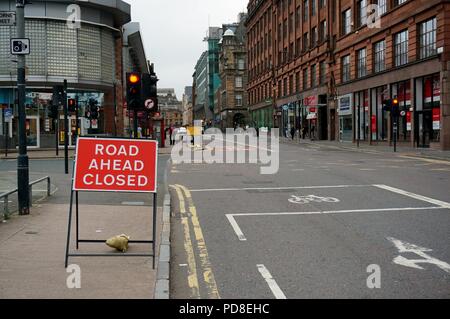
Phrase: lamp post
[23,174]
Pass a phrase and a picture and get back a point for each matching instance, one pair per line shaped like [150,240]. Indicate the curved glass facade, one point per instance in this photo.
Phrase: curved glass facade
[82,55]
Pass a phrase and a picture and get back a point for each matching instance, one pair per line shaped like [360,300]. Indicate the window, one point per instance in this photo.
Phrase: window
[401,48]
[305,41]
[346,22]
[380,56]
[322,3]
[280,31]
[323,31]
[313,37]
[291,23]
[285,28]
[427,41]
[305,10]
[238,100]
[298,46]
[313,7]
[297,82]
[291,84]
[305,79]
[399,2]
[291,51]
[361,63]
[298,14]
[382,7]
[285,87]
[238,82]
[313,76]
[362,12]
[323,72]
[345,65]
[241,64]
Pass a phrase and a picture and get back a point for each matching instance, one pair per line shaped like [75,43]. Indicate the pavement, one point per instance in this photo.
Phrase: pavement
[402,149]
[332,223]
[32,248]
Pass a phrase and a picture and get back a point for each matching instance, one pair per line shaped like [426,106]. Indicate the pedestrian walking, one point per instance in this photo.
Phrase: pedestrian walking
[293,131]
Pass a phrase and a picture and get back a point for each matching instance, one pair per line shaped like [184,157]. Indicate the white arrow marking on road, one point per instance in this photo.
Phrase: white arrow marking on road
[405,247]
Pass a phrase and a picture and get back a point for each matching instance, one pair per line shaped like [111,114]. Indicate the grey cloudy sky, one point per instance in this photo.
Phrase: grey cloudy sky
[173,32]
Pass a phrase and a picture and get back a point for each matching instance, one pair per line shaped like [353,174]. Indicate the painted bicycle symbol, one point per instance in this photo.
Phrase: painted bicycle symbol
[312,199]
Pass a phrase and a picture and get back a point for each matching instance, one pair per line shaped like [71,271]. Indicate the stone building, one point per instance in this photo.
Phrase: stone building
[329,65]
[232,94]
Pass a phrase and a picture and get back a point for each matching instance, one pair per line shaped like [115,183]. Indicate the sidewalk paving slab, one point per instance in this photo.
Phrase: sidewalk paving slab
[32,250]
[384,148]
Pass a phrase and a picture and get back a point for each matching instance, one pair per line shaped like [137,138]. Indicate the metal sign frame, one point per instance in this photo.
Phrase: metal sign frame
[74,199]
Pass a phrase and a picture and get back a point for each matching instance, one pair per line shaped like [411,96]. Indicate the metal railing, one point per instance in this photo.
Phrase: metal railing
[6,196]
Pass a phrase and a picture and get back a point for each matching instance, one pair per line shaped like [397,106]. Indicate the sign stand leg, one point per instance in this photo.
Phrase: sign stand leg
[155,214]
[78,220]
[69,229]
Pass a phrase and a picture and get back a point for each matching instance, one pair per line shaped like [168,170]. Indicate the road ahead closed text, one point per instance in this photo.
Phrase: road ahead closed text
[116,165]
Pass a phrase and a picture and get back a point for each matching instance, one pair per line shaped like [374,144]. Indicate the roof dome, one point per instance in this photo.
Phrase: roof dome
[229,33]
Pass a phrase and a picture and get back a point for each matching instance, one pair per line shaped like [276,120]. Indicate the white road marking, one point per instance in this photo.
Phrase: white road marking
[405,247]
[277,292]
[236,227]
[274,188]
[232,217]
[415,196]
[367,169]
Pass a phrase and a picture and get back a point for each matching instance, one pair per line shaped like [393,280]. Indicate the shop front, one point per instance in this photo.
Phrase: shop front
[345,113]
[427,115]
[41,130]
[262,118]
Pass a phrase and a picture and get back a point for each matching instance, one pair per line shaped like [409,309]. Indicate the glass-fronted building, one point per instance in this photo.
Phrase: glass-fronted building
[85,53]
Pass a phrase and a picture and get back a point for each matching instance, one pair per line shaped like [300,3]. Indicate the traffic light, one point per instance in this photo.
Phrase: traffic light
[57,97]
[72,105]
[395,107]
[94,110]
[387,105]
[134,88]
[150,92]
[53,111]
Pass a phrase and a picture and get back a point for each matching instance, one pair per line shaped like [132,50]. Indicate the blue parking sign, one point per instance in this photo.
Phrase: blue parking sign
[8,114]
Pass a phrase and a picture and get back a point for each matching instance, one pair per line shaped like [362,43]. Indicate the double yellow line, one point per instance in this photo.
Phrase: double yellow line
[205,264]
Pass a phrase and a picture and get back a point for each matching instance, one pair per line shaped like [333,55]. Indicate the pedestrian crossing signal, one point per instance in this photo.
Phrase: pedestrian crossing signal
[72,105]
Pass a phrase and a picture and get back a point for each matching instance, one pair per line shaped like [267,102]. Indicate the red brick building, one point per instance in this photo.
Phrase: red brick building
[334,62]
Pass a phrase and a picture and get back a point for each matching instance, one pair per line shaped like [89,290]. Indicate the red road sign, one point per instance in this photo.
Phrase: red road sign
[116,165]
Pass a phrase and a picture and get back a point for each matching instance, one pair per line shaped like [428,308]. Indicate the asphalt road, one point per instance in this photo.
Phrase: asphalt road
[329,224]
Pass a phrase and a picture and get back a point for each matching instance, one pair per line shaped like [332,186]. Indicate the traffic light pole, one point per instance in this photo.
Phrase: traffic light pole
[56,121]
[395,118]
[77,125]
[66,129]
[135,125]
[23,173]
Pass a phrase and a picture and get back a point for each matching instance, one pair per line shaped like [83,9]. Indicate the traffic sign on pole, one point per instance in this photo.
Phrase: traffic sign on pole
[20,46]
[7,18]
